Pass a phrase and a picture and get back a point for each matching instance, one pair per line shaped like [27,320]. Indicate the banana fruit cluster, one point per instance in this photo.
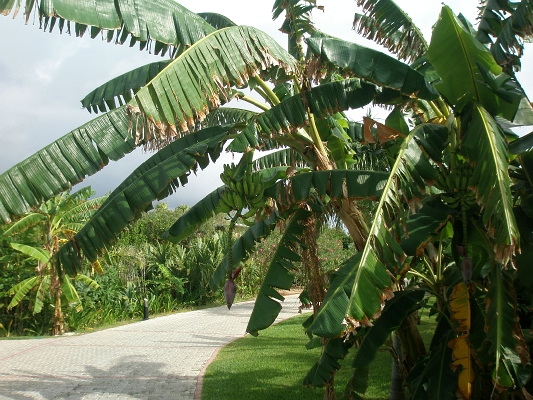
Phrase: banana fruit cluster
[456,185]
[242,193]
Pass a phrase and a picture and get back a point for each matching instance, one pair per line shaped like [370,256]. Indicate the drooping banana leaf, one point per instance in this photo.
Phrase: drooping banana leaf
[163,21]
[359,288]
[217,21]
[155,179]
[121,89]
[395,311]
[33,252]
[279,274]
[242,247]
[387,24]
[64,163]
[194,217]
[484,145]
[87,281]
[291,113]
[23,224]
[505,25]
[41,293]
[200,79]
[336,349]
[521,145]
[458,58]
[71,293]
[279,158]
[501,330]
[225,116]
[21,289]
[368,64]
[424,224]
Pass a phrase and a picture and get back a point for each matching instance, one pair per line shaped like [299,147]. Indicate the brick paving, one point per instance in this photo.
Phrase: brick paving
[161,358]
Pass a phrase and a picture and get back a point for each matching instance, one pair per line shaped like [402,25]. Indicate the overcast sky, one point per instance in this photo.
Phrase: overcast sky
[43,77]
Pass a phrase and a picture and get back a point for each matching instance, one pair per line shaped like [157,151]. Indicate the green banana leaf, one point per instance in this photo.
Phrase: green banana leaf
[21,289]
[24,223]
[501,332]
[291,113]
[65,162]
[485,147]
[387,24]
[195,216]
[395,311]
[458,58]
[243,247]
[122,88]
[279,275]
[279,158]
[368,64]
[359,288]
[41,293]
[199,79]
[155,179]
[87,281]
[71,294]
[163,21]
[521,145]
[34,252]
[424,224]
[217,21]
[505,26]
[321,372]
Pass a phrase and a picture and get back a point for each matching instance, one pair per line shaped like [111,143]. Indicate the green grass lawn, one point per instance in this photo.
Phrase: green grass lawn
[273,365]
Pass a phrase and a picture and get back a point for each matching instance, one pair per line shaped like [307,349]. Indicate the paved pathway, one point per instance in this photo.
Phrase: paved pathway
[156,359]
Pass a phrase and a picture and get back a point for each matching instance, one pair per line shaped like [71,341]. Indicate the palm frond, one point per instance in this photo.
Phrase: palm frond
[388,25]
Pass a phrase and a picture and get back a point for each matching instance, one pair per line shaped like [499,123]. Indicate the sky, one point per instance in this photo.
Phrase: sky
[43,77]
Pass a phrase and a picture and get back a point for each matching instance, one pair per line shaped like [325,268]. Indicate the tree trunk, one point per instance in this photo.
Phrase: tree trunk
[397,391]
[329,393]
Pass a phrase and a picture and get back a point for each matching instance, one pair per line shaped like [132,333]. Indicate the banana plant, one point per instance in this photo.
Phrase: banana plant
[38,236]
[445,206]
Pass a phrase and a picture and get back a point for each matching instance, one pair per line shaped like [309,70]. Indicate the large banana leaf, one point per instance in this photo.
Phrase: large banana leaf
[64,163]
[155,179]
[217,21]
[464,64]
[42,290]
[279,274]
[360,287]
[122,88]
[200,79]
[292,113]
[501,330]
[194,217]
[33,252]
[387,24]
[505,25]
[23,224]
[163,21]
[484,145]
[242,247]
[21,289]
[369,64]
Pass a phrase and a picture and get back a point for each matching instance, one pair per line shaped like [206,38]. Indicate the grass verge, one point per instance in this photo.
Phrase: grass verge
[272,367]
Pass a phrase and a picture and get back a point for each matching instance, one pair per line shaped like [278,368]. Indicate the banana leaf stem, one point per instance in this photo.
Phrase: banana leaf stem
[315,135]
[269,92]
[436,109]
[256,103]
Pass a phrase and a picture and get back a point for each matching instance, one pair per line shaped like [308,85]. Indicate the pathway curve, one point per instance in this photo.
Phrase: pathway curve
[156,359]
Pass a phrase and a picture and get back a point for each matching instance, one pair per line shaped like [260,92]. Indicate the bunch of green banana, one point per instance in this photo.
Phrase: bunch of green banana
[230,201]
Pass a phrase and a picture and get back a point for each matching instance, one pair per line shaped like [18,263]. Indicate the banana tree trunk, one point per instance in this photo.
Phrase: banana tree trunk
[397,391]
